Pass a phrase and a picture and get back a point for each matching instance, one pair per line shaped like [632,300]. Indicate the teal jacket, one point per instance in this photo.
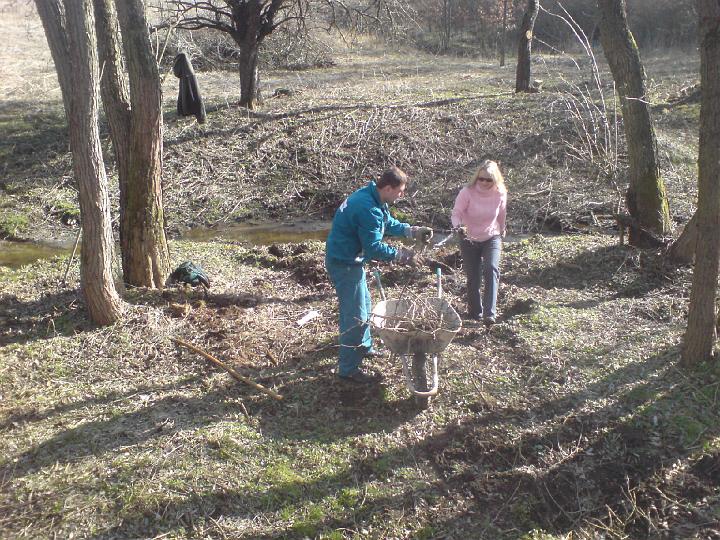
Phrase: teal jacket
[358,228]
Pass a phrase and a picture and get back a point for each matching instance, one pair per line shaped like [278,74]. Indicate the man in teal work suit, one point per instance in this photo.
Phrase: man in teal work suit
[356,237]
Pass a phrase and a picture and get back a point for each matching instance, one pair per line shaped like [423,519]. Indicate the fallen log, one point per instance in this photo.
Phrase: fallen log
[227,368]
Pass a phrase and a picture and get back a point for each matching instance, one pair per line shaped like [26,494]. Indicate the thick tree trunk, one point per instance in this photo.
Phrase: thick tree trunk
[146,260]
[522,74]
[646,199]
[74,53]
[700,334]
[249,76]
[116,101]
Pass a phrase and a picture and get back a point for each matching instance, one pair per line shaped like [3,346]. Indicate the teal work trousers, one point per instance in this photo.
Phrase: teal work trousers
[355,308]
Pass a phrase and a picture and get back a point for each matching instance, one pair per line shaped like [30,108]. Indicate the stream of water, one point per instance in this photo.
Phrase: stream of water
[17,254]
[263,234]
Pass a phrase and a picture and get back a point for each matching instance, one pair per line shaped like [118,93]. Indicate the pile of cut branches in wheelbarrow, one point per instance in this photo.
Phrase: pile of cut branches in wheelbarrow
[417,326]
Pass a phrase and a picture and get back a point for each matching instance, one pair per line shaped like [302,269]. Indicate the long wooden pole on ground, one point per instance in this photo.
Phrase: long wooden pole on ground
[227,368]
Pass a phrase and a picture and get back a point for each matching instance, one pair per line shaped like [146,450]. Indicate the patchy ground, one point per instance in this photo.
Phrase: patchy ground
[567,419]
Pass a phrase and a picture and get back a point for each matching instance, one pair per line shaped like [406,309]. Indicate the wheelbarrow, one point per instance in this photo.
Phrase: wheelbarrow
[413,332]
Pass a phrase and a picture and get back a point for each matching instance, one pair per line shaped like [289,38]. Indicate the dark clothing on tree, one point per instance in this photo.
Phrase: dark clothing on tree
[189,100]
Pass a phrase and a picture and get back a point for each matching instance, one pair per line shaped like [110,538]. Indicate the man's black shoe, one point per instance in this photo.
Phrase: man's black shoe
[360,377]
[489,321]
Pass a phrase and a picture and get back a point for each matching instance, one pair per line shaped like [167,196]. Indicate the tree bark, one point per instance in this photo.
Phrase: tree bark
[700,334]
[146,259]
[249,75]
[646,200]
[71,38]
[446,25]
[503,38]
[116,102]
[682,250]
[522,74]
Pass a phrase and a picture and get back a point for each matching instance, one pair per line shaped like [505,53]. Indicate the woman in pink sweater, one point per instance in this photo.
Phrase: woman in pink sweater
[479,214]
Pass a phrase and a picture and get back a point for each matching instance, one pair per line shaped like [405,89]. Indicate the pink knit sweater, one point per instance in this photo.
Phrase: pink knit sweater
[482,211]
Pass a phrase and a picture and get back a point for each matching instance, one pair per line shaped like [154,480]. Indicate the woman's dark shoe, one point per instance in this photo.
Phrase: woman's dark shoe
[489,321]
[361,377]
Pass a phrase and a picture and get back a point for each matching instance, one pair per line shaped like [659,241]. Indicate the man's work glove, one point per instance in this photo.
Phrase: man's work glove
[422,236]
[407,256]
[461,232]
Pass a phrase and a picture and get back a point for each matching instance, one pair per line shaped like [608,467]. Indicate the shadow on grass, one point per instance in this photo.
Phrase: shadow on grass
[316,407]
[34,133]
[16,417]
[570,467]
[51,315]
[122,429]
[63,313]
[628,272]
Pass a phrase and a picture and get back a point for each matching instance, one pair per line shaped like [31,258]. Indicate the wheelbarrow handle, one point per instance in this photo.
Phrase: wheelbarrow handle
[376,273]
[438,276]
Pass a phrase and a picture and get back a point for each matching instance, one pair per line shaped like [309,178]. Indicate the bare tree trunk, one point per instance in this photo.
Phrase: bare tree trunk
[700,334]
[73,50]
[249,76]
[146,259]
[646,199]
[522,74]
[116,102]
[503,38]
[446,25]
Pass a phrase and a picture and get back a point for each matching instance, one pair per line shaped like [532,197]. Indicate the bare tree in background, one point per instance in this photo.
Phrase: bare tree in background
[522,74]
[446,28]
[247,22]
[700,334]
[646,200]
[71,37]
[503,38]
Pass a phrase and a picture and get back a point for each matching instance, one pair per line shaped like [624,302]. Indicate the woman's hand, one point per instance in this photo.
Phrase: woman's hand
[461,231]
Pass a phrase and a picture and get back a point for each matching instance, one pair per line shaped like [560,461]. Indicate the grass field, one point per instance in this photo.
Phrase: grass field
[568,419]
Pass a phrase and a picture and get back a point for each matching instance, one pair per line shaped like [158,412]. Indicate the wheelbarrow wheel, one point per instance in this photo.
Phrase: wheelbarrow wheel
[419,371]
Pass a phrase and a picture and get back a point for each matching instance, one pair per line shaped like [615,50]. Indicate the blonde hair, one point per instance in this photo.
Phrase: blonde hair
[489,168]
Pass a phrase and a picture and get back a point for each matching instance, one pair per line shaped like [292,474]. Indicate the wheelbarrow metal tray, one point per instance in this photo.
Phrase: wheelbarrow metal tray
[393,324]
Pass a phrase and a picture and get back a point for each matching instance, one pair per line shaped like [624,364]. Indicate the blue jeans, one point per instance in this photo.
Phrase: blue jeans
[481,261]
[355,308]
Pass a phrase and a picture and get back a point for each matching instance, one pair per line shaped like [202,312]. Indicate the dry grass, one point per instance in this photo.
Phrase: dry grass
[567,419]
[567,416]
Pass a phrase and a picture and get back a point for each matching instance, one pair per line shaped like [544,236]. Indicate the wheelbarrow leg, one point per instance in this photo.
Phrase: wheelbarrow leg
[419,372]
